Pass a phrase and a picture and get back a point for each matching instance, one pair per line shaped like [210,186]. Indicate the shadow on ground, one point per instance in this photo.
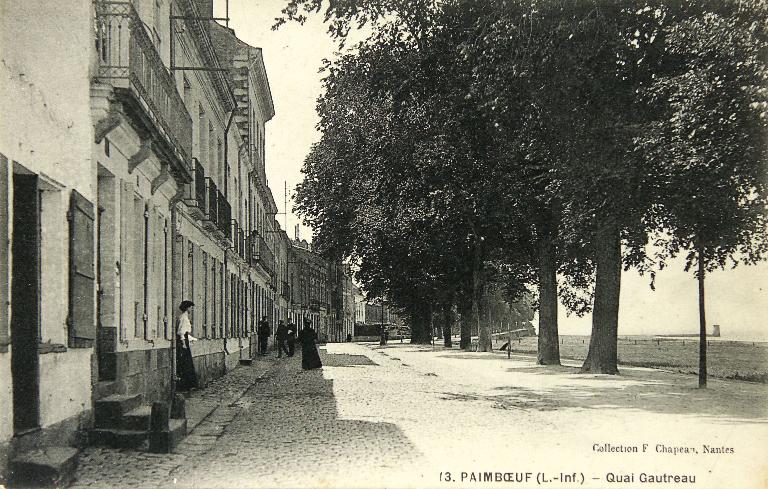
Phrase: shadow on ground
[288,433]
[636,388]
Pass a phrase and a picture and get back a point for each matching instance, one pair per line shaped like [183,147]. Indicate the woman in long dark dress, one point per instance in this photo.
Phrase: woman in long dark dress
[310,358]
[185,367]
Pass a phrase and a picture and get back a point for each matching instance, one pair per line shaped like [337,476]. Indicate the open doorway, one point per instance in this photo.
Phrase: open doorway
[25,292]
[107,275]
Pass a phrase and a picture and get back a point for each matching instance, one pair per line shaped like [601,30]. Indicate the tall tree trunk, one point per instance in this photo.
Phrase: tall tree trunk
[465,320]
[702,323]
[447,324]
[549,343]
[421,333]
[602,357]
[483,327]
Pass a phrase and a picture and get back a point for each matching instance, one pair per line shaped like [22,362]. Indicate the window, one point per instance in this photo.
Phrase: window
[157,29]
[220,167]
[206,319]
[187,91]
[213,164]
[202,132]
[214,297]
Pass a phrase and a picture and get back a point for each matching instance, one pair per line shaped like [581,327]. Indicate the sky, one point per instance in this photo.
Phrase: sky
[737,299]
[292,56]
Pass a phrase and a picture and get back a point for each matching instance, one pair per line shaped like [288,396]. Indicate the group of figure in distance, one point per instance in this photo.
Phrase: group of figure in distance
[285,338]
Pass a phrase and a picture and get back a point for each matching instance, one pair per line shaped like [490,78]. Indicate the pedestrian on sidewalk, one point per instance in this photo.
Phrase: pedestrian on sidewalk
[185,367]
[281,336]
[310,358]
[291,339]
[263,332]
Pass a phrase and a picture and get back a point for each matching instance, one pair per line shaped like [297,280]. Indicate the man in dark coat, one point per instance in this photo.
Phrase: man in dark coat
[281,335]
[291,339]
[264,331]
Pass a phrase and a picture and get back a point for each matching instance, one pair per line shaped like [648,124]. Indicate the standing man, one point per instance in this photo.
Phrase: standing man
[263,331]
[291,339]
[281,335]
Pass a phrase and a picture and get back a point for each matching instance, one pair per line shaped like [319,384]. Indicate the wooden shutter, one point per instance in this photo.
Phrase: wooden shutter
[153,284]
[4,275]
[82,276]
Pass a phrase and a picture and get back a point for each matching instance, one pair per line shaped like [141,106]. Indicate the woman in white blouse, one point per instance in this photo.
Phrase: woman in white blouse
[185,367]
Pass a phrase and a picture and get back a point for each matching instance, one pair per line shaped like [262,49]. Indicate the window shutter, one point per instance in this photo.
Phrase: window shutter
[154,284]
[82,276]
[4,275]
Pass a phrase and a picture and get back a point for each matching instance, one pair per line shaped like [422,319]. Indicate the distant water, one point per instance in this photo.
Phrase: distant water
[740,339]
[664,336]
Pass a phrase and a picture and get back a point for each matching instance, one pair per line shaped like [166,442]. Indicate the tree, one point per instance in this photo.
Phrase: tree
[710,135]
[420,168]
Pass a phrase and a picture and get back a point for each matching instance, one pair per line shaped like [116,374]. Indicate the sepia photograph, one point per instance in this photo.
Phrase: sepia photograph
[384,244]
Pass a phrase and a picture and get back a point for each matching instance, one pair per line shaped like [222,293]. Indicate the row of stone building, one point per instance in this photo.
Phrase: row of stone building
[132,177]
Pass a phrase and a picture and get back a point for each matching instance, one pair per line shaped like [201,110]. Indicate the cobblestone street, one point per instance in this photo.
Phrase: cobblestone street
[403,416]
[272,427]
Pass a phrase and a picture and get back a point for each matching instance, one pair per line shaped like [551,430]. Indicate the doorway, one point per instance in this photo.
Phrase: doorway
[25,315]
[107,275]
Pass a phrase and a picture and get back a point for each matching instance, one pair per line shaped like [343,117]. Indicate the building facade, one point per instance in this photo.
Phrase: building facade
[132,177]
[311,289]
[48,212]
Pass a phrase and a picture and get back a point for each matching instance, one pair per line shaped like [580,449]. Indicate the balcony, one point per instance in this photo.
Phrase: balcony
[211,207]
[128,60]
[243,244]
[261,254]
[196,191]
[225,216]
[238,239]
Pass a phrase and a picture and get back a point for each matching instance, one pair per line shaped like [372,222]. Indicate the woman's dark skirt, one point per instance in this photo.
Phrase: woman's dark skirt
[185,367]
[310,358]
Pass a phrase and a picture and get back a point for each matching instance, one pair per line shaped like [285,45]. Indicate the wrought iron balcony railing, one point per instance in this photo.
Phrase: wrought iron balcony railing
[234,229]
[199,183]
[261,254]
[225,216]
[129,61]
[243,244]
[285,289]
[211,209]
[196,191]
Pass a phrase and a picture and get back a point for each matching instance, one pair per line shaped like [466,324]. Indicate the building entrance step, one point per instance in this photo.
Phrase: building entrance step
[118,438]
[44,467]
[137,419]
[109,412]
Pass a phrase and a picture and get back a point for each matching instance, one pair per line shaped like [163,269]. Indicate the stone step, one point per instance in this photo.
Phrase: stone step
[137,419]
[43,467]
[118,438]
[246,361]
[166,441]
[108,412]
